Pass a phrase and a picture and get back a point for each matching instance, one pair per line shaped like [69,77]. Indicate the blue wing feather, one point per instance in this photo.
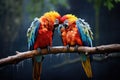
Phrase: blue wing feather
[86,36]
[32,33]
[87,41]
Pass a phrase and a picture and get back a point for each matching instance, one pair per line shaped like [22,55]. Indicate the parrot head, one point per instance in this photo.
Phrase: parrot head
[66,22]
[50,20]
[71,18]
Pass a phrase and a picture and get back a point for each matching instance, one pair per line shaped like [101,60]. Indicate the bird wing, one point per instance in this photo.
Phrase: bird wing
[32,33]
[85,32]
[86,36]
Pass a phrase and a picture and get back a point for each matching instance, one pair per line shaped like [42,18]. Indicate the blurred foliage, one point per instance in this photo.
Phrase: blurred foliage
[97,4]
[10,19]
[110,3]
[107,3]
[11,16]
[38,7]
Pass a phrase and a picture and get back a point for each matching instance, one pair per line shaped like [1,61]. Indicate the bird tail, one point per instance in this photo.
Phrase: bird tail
[87,67]
[37,69]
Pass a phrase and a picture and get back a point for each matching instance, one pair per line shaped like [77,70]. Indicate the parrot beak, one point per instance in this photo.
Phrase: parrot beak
[65,24]
[59,28]
[56,23]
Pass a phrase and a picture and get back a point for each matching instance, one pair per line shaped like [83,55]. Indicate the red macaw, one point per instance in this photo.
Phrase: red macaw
[76,32]
[40,36]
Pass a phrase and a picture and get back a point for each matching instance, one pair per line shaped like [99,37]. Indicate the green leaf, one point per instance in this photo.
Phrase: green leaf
[117,1]
[109,4]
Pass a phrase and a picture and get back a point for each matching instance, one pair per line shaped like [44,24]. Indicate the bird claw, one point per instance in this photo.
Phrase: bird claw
[76,47]
[65,24]
[68,47]
[48,48]
[39,50]
[39,58]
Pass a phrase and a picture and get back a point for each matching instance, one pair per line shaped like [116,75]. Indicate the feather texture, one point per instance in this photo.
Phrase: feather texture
[86,36]
[85,32]
[32,33]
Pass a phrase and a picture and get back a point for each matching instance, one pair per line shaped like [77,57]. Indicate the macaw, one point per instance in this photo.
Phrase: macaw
[40,35]
[76,32]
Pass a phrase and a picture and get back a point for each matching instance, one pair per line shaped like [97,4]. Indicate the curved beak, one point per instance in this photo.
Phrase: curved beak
[59,28]
[65,24]
[56,23]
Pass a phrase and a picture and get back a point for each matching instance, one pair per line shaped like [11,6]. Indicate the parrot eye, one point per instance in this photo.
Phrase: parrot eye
[56,23]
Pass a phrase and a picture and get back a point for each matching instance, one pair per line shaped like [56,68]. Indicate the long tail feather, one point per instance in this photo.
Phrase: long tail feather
[37,69]
[87,67]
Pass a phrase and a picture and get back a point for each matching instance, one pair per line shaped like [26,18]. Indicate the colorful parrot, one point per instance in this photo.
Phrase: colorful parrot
[40,36]
[75,32]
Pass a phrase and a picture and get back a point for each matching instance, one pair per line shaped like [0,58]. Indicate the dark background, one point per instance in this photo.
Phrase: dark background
[109,21]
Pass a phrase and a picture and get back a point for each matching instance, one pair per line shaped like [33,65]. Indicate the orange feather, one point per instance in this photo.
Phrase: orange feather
[45,32]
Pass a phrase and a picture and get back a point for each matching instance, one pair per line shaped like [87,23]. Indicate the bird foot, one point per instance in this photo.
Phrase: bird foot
[48,48]
[76,48]
[39,50]
[39,58]
[68,47]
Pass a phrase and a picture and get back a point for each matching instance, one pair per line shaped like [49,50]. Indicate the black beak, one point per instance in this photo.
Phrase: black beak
[59,28]
[65,24]
[56,23]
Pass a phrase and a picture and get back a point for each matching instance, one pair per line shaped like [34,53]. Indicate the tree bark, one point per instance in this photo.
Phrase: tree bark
[37,67]
[103,49]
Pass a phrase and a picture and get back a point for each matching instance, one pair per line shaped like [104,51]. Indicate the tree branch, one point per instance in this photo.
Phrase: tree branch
[103,49]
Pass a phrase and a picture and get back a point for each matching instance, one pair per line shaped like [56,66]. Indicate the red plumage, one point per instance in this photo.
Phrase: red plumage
[70,35]
[43,39]
[45,32]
